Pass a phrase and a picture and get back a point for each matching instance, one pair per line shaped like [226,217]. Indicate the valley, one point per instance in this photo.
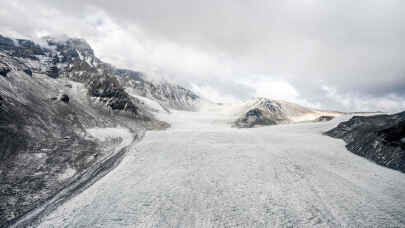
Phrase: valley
[203,173]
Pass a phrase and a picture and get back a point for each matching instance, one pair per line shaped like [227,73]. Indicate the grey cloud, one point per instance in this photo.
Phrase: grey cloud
[355,47]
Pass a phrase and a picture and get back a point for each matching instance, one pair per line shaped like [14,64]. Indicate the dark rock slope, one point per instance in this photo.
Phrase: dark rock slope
[50,95]
[380,138]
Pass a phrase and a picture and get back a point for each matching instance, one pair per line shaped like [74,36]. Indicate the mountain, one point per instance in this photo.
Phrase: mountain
[166,94]
[264,111]
[66,118]
[380,138]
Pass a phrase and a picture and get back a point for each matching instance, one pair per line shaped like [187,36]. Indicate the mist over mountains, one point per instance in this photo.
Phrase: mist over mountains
[332,55]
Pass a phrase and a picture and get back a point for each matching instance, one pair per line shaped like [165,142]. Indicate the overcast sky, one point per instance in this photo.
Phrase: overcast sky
[344,55]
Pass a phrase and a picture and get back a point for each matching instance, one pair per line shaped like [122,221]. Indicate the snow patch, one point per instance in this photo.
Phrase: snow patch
[104,134]
[107,133]
[69,172]
[154,105]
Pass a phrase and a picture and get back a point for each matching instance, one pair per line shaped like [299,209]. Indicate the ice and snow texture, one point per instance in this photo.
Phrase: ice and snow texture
[105,133]
[202,173]
[154,105]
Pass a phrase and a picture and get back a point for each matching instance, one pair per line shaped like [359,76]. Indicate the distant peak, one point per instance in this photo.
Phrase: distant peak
[74,43]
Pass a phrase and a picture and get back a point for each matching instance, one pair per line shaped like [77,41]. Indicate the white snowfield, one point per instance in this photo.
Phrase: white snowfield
[103,134]
[151,104]
[203,173]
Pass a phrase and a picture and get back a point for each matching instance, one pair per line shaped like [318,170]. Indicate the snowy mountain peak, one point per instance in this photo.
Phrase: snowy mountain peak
[267,104]
[74,59]
[68,42]
[265,111]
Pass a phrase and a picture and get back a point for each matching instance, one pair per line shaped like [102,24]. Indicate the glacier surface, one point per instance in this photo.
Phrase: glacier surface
[203,173]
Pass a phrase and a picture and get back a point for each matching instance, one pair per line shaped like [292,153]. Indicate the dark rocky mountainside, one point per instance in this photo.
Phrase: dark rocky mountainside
[380,138]
[50,95]
[74,59]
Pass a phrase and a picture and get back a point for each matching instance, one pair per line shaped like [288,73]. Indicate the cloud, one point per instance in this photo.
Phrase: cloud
[298,48]
[356,101]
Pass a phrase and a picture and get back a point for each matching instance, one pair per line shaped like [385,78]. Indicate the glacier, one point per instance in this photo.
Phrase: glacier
[203,173]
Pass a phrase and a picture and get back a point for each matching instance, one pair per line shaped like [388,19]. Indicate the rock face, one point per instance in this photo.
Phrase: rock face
[263,111]
[324,118]
[4,69]
[254,117]
[167,94]
[380,138]
[74,59]
[8,64]
[50,95]
[110,92]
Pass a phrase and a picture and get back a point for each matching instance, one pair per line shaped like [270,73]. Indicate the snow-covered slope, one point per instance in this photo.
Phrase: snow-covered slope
[202,173]
[166,94]
[264,111]
[150,104]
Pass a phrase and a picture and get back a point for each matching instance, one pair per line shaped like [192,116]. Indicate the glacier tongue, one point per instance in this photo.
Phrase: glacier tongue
[202,173]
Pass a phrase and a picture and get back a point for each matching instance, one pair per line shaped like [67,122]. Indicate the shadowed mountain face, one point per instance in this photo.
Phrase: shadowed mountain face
[379,138]
[50,96]
[167,94]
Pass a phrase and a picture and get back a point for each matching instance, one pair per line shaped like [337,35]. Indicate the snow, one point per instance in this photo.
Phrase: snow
[104,134]
[80,55]
[203,173]
[69,172]
[293,112]
[312,116]
[148,102]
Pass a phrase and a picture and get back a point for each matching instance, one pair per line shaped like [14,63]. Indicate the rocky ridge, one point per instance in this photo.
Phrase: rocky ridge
[167,94]
[379,138]
[264,111]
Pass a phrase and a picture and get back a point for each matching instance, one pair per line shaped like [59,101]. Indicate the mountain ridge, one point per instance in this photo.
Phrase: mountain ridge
[379,138]
[50,100]
[264,111]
